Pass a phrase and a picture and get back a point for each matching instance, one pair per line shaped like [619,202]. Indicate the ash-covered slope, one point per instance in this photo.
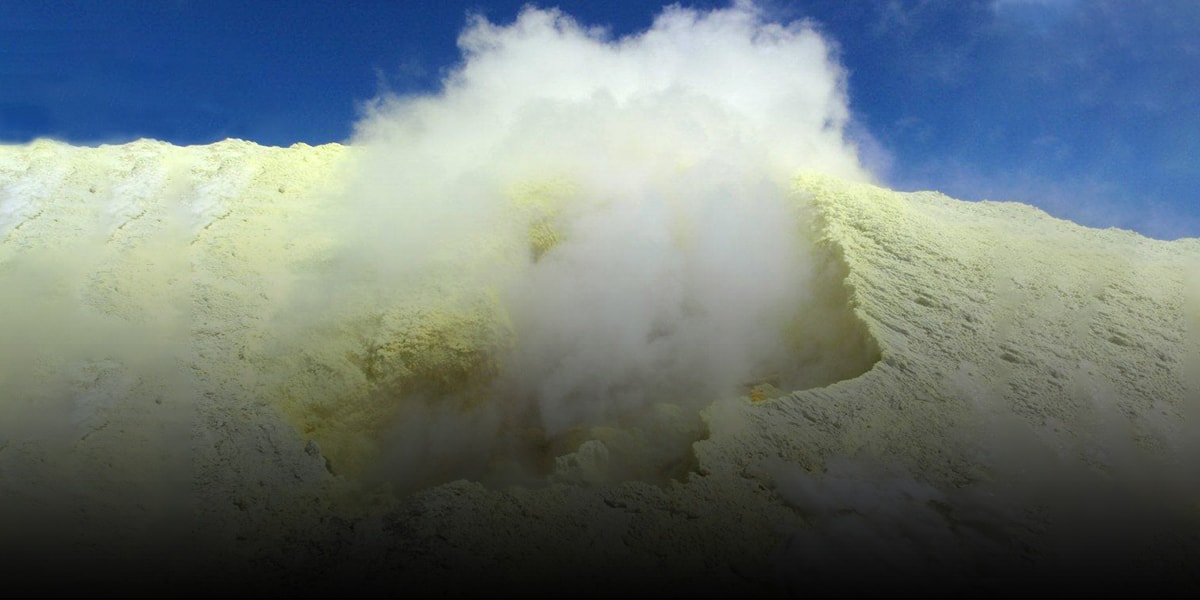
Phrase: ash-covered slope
[203,390]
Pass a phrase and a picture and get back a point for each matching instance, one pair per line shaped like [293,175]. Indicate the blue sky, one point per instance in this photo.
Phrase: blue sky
[1088,109]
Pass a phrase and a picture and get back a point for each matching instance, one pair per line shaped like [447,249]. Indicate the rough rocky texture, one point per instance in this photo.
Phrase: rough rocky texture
[1030,420]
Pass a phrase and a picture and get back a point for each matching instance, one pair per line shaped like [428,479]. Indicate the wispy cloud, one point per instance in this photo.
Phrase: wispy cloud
[1090,102]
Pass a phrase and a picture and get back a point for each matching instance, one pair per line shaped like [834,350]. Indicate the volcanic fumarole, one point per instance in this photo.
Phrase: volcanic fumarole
[600,314]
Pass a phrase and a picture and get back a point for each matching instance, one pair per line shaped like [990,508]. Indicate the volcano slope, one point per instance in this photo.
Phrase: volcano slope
[195,397]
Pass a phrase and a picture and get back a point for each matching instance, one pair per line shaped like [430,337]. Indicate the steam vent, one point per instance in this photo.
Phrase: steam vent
[227,369]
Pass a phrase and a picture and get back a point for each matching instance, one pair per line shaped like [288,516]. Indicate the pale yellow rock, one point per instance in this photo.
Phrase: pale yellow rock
[176,319]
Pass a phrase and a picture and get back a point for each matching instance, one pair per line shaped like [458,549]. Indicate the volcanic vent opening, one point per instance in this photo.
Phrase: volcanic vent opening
[547,268]
[585,352]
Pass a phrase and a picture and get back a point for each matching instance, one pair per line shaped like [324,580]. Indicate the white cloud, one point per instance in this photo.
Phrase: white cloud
[1001,5]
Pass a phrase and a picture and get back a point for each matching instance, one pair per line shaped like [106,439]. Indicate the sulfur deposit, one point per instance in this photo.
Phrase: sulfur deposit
[598,316]
[200,391]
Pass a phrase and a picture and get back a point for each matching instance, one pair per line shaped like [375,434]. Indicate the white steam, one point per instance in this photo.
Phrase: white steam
[659,167]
